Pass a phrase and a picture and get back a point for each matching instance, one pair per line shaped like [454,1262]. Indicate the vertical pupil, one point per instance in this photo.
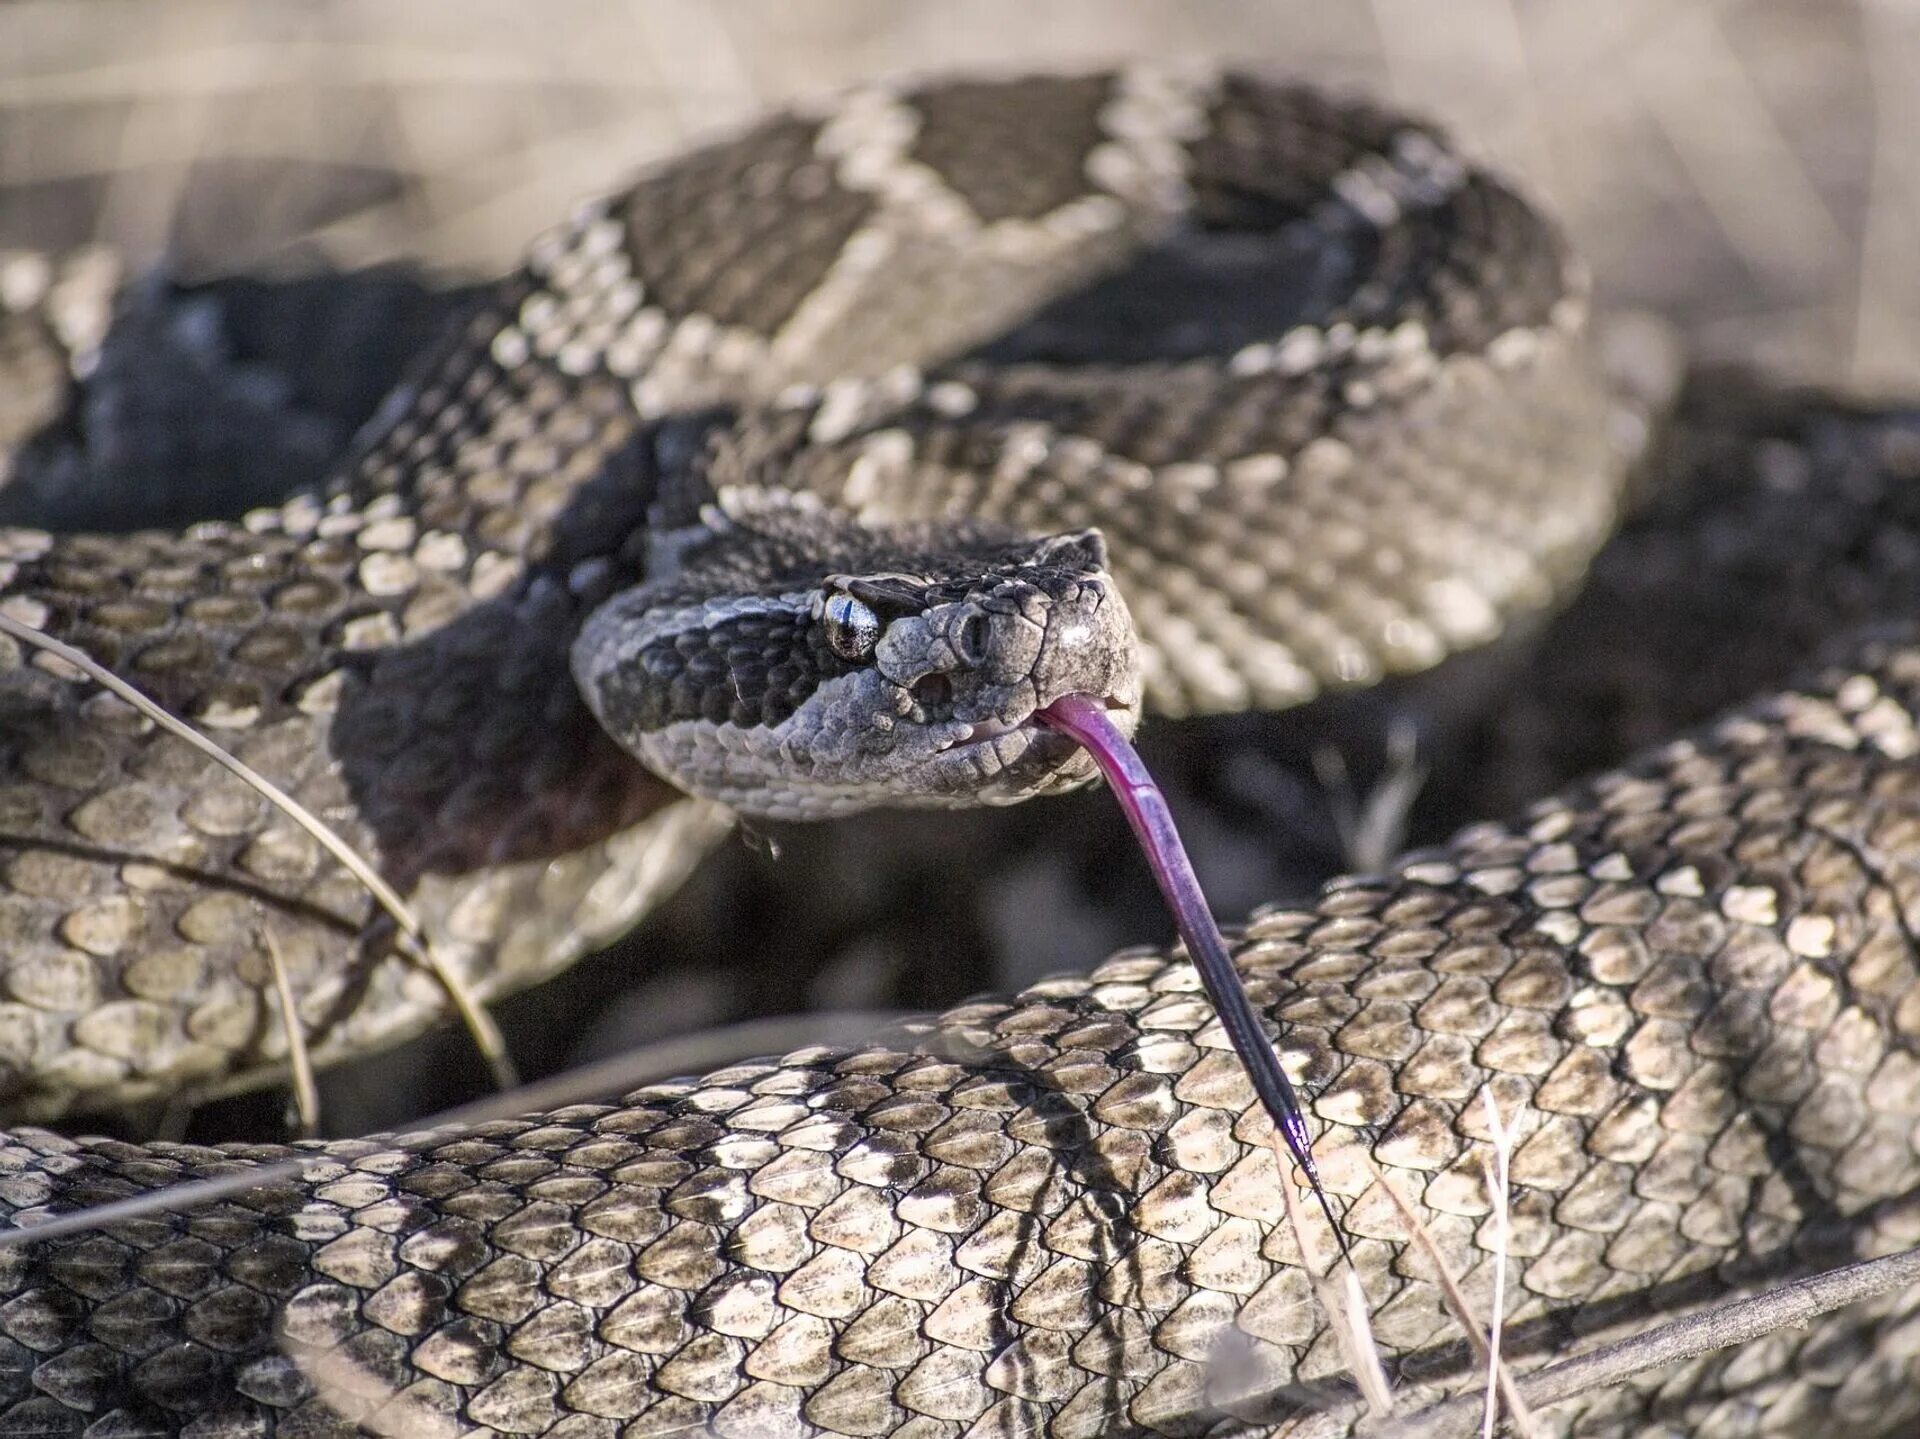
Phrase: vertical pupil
[852,628]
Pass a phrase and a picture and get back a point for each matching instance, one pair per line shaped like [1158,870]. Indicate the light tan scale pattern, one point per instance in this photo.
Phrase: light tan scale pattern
[344,648]
[344,652]
[396,654]
[1051,1219]
[1258,571]
[140,882]
[1687,982]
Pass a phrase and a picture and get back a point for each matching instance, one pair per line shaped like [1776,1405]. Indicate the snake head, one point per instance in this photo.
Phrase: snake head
[800,674]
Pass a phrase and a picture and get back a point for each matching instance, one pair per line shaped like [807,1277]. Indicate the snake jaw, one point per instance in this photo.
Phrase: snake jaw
[741,695]
[991,729]
[1124,713]
[1031,744]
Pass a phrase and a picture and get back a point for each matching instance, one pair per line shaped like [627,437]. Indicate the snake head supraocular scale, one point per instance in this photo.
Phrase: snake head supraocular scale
[784,660]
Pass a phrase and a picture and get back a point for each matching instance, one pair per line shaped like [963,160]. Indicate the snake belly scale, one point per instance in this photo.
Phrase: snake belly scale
[762,395]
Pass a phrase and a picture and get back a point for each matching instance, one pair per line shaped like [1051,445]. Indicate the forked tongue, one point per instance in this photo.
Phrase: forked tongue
[1083,719]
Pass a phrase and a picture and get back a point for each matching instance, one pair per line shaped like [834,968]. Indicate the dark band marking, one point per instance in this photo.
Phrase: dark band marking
[1468,266]
[1272,152]
[743,231]
[1013,150]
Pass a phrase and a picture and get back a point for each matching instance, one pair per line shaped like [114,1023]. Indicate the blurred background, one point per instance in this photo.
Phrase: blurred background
[1747,169]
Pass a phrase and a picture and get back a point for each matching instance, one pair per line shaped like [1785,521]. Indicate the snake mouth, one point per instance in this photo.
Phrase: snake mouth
[1001,761]
[993,729]
[987,730]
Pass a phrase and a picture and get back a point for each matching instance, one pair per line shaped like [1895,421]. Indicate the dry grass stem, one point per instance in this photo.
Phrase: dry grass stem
[1499,1171]
[306,1094]
[1456,1300]
[1372,825]
[474,1015]
[1343,1299]
[1886,348]
[486,1034]
[1736,1321]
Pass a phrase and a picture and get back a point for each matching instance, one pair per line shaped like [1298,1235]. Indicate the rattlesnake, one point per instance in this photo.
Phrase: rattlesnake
[1366,431]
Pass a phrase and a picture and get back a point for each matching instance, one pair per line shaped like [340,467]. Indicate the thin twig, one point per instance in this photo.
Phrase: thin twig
[1699,89]
[1885,349]
[486,1034]
[254,68]
[1499,1169]
[1737,1321]
[1344,1301]
[1455,1298]
[1372,825]
[306,1094]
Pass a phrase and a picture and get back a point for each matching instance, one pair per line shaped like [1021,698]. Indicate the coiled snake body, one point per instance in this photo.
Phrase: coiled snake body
[681,455]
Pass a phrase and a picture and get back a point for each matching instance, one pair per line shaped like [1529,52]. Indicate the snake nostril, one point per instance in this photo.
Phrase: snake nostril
[934,692]
[971,640]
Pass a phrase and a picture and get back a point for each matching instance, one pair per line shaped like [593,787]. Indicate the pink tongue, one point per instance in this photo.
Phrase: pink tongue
[1084,719]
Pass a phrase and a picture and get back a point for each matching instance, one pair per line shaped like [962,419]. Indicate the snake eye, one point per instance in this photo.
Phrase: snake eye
[852,629]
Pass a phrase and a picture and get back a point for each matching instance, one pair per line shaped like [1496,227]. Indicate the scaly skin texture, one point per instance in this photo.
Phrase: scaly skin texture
[1052,1215]
[1352,475]
[1690,980]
